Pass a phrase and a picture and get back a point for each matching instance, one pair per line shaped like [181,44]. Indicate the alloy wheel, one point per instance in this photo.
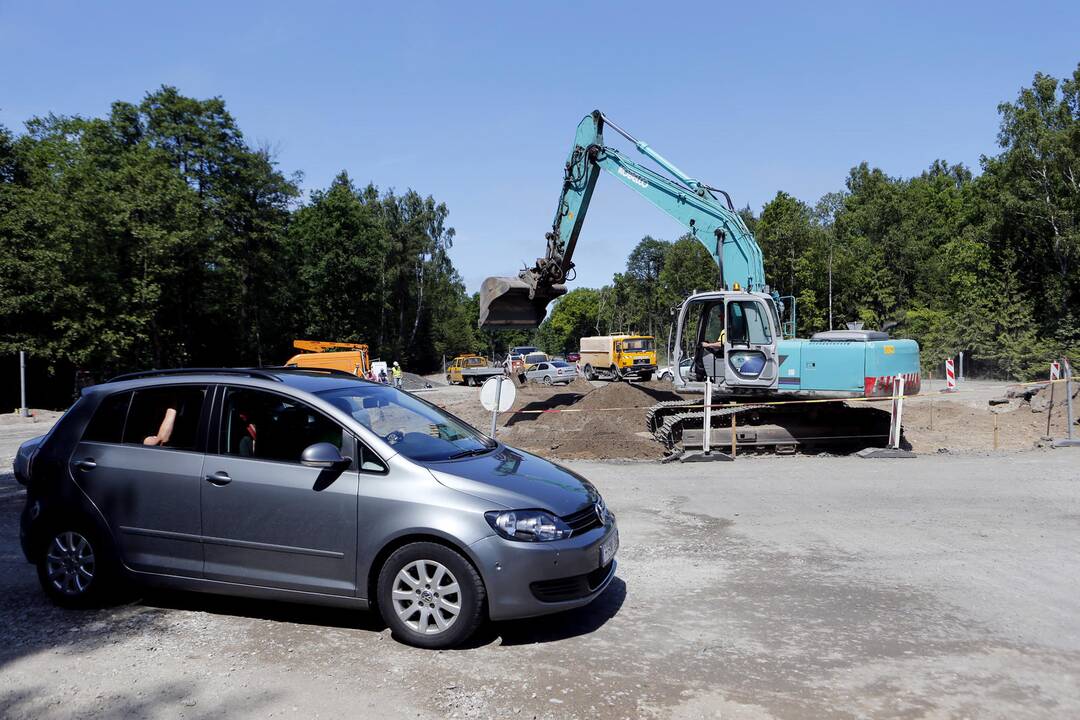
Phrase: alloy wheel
[70,563]
[426,597]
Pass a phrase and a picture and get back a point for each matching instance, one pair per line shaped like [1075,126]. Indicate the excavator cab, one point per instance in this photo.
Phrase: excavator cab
[510,302]
[732,339]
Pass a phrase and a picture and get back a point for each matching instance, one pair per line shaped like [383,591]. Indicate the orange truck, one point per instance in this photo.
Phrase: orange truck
[350,357]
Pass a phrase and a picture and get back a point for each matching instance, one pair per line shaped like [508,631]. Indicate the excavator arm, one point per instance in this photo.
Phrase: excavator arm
[522,301]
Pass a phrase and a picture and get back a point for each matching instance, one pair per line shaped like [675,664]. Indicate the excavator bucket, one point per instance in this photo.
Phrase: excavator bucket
[505,303]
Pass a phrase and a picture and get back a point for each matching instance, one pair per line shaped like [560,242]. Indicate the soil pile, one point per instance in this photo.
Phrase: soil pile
[587,422]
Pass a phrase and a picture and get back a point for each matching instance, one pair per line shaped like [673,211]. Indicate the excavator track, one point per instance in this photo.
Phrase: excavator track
[768,427]
[654,416]
[670,430]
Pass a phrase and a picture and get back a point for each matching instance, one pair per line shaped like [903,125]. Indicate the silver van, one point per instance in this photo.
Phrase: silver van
[310,486]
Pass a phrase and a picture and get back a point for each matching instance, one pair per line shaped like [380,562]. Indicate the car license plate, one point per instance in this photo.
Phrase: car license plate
[608,548]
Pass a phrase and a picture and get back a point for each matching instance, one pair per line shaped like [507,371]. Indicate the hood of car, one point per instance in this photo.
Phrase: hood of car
[517,480]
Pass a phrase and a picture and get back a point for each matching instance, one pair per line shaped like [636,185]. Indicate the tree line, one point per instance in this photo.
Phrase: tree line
[158,236]
[987,264]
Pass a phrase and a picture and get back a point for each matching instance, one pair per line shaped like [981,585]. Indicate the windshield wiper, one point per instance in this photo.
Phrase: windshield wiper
[468,453]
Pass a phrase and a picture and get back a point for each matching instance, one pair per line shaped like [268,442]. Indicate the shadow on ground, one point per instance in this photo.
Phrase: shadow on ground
[528,413]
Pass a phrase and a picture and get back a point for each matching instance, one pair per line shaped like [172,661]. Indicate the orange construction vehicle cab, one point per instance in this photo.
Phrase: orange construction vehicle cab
[350,357]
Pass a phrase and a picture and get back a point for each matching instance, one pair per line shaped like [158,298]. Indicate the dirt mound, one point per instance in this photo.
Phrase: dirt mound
[583,421]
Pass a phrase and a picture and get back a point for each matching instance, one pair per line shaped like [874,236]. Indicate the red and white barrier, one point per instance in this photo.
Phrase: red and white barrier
[1055,370]
[950,376]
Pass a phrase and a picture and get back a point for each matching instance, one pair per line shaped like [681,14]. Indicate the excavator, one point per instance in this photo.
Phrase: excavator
[733,335]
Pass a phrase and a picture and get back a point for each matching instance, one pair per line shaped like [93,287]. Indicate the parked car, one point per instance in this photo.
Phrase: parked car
[552,372]
[310,486]
[668,371]
[573,357]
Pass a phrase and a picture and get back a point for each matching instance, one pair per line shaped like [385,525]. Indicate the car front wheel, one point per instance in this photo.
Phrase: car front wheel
[430,596]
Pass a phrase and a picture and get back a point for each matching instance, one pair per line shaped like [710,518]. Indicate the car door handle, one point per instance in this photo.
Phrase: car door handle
[85,464]
[219,478]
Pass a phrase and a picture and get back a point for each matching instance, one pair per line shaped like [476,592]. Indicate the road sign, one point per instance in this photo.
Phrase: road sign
[490,394]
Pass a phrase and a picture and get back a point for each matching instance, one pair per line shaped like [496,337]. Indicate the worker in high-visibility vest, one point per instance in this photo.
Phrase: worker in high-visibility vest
[396,372]
[719,344]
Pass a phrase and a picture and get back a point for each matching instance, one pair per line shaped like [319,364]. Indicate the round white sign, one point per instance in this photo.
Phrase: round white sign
[506,395]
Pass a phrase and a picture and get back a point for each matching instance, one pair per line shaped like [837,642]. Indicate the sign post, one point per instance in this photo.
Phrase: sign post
[496,398]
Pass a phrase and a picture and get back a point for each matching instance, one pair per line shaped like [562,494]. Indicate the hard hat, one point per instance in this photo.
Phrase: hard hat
[395,363]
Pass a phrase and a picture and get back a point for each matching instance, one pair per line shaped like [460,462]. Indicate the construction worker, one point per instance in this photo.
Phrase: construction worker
[718,345]
[397,375]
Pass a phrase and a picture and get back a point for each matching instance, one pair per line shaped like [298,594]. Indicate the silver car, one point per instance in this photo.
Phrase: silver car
[309,486]
[551,372]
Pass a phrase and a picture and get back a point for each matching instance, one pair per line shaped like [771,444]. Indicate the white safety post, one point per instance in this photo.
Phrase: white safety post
[897,412]
[495,410]
[23,410]
[707,430]
[961,366]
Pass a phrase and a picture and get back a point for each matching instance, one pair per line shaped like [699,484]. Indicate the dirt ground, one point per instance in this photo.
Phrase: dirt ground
[771,588]
[606,420]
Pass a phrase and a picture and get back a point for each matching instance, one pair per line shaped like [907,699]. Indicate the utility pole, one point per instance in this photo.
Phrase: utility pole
[830,285]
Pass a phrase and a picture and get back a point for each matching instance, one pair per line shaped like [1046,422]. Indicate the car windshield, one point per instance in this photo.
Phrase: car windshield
[414,428]
[637,344]
[535,358]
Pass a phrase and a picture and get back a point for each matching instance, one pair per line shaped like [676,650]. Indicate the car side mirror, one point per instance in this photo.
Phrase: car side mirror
[325,456]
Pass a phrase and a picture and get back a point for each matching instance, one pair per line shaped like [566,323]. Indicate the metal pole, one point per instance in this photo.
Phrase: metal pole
[23,410]
[498,396]
[705,438]
[960,377]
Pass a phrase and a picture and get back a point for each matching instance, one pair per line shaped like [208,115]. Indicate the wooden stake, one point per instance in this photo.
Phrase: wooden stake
[734,451]
[1050,410]
[995,431]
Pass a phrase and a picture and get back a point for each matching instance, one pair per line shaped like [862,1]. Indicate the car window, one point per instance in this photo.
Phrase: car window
[165,417]
[267,426]
[107,425]
[414,428]
[369,461]
[542,366]
[560,364]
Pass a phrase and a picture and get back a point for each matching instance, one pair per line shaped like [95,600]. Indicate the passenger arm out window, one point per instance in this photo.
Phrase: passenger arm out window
[165,416]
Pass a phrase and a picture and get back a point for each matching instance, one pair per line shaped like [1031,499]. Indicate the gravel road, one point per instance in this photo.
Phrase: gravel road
[940,586]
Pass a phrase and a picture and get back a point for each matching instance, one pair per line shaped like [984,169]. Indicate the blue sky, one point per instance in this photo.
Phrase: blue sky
[476,103]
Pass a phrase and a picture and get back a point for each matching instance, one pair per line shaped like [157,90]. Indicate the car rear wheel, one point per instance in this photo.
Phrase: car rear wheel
[76,569]
[430,596]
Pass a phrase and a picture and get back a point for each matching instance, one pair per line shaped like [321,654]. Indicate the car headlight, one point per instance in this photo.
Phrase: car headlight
[528,525]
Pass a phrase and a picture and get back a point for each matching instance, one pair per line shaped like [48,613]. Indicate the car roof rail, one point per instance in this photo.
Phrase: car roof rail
[336,372]
[248,372]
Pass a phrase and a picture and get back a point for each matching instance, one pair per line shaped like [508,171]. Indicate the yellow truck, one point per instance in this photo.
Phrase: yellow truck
[618,357]
[350,357]
[470,370]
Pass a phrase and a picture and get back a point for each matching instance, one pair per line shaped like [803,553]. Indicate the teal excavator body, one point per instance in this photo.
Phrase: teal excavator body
[755,359]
